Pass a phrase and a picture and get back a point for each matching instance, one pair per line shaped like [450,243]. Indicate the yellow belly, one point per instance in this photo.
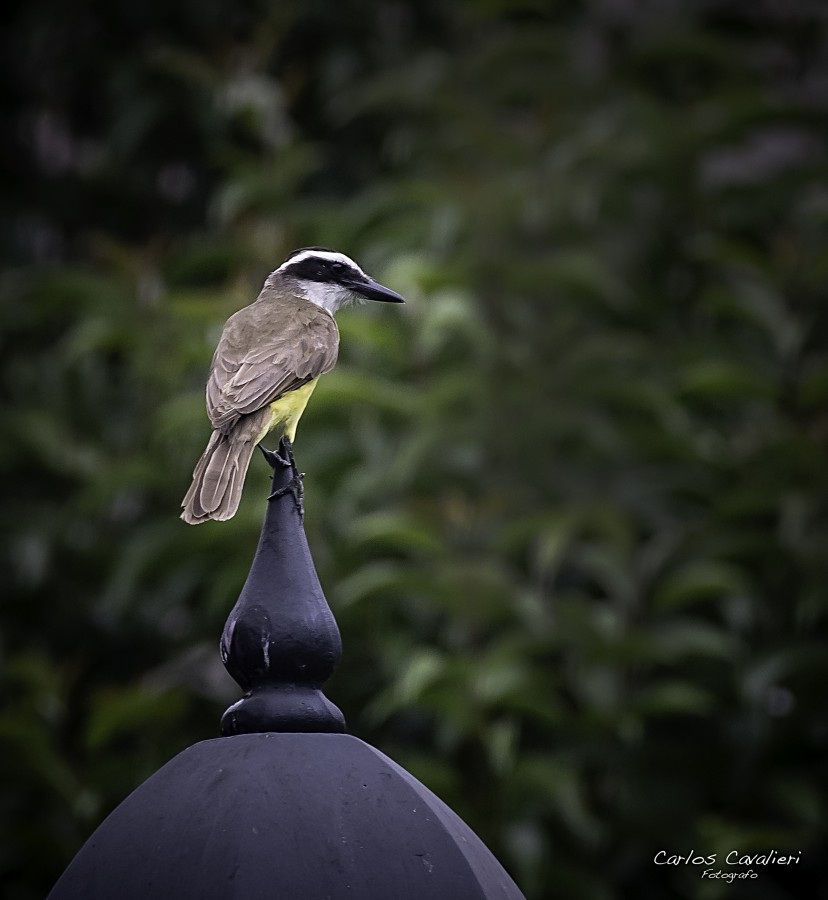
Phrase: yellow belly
[287,410]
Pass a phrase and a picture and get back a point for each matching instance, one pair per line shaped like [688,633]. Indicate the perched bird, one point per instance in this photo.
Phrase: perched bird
[266,366]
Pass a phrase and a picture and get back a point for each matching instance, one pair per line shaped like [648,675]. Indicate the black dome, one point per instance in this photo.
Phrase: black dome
[284,817]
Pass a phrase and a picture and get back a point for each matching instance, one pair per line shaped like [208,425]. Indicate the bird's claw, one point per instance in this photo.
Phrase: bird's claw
[295,487]
[275,458]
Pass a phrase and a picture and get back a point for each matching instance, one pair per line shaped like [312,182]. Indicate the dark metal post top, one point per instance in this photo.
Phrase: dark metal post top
[281,642]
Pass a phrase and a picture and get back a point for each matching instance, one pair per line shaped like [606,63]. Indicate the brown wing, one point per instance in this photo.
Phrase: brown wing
[265,351]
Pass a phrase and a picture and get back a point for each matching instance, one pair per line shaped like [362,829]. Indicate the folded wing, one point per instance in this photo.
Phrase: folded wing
[243,380]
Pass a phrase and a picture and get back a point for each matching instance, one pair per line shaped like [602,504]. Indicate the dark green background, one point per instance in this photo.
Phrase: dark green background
[568,504]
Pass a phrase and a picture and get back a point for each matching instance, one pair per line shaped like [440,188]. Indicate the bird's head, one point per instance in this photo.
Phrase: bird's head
[330,279]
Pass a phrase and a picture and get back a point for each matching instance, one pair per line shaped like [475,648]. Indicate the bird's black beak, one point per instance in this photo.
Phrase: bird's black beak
[373,290]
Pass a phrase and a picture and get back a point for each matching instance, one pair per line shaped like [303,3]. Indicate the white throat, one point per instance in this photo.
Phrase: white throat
[331,297]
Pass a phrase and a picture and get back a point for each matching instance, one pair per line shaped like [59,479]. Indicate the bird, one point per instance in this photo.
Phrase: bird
[266,365]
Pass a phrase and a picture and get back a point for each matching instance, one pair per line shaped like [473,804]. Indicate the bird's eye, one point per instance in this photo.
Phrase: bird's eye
[338,267]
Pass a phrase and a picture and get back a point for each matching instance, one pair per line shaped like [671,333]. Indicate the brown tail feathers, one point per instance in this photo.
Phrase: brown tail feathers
[218,478]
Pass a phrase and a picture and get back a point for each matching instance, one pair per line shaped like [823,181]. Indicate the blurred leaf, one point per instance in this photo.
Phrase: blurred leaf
[126,712]
[673,698]
[697,582]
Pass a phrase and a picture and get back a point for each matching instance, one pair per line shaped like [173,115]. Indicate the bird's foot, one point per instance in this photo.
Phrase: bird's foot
[295,487]
[275,458]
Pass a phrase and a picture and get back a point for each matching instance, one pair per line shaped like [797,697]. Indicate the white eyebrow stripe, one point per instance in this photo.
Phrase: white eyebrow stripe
[330,255]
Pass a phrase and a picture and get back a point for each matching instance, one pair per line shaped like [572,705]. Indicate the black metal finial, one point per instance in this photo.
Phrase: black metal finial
[281,642]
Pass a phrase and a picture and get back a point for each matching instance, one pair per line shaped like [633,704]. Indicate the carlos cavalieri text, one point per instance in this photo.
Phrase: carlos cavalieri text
[734,858]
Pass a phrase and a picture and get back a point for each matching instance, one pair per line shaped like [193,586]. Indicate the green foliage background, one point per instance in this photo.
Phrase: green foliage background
[568,505]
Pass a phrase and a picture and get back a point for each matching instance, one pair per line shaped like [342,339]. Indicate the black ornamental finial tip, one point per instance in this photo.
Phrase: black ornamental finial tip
[281,642]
